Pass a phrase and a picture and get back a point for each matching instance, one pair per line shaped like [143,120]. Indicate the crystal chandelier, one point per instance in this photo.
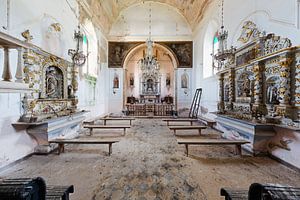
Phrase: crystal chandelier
[222,53]
[149,63]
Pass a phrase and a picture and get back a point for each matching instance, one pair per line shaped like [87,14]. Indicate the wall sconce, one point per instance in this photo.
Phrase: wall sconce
[77,54]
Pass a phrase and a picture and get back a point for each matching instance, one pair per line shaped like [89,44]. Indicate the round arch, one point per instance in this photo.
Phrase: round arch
[136,49]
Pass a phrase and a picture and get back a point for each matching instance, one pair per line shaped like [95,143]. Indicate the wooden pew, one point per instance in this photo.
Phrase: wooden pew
[207,141]
[91,127]
[92,120]
[207,121]
[234,194]
[175,128]
[15,186]
[259,191]
[180,120]
[117,119]
[54,192]
[61,143]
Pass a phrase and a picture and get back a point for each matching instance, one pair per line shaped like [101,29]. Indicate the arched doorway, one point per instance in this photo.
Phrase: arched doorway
[164,85]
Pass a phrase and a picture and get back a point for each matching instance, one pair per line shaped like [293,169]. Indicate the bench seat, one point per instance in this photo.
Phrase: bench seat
[62,142]
[117,119]
[180,120]
[234,194]
[209,122]
[207,141]
[94,126]
[54,192]
[175,128]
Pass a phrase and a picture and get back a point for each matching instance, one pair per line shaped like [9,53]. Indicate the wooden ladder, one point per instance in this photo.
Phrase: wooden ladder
[195,104]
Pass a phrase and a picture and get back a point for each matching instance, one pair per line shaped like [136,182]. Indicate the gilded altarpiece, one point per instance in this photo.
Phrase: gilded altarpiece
[54,84]
[260,85]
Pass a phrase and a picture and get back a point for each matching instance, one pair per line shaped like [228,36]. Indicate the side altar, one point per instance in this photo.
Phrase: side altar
[259,86]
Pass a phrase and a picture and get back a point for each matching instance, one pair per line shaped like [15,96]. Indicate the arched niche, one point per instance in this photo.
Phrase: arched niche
[167,78]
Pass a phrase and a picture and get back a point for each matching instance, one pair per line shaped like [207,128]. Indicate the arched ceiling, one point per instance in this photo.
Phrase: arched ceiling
[107,11]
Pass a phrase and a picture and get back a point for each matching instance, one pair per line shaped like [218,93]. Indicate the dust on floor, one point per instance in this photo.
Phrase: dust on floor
[149,164]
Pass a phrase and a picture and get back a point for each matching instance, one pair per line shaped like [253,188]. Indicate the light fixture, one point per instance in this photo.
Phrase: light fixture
[149,62]
[222,53]
[77,55]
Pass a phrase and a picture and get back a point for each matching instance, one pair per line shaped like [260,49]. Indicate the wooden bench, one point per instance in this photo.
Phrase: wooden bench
[54,192]
[117,119]
[209,122]
[92,120]
[200,141]
[180,120]
[259,191]
[61,143]
[91,127]
[15,187]
[234,194]
[175,128]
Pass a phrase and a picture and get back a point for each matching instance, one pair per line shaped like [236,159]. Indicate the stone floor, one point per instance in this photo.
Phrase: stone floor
[148,164]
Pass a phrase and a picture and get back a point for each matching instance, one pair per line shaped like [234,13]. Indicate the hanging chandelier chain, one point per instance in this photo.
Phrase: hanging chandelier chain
[222,13]
[150,21]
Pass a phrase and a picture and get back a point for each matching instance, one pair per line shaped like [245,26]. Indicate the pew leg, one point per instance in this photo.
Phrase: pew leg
[91,131]
[109,149]
[187,150]
[174,132]
[191,123]
[238,149]
[199,131]
[61,148]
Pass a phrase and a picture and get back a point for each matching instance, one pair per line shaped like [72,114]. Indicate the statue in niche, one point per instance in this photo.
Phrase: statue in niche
[184,81]
[246,87]
[168,80]
[226,93]
[150,85]
[272,95]
[131,80]
[54,82]
[116,82]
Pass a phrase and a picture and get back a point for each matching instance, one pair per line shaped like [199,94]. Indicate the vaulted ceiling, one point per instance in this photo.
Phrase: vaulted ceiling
[107,11]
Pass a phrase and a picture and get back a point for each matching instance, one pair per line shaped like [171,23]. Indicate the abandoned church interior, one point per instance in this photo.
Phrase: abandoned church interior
[150,99]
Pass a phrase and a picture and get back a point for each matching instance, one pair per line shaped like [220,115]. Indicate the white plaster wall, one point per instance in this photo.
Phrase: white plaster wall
[184,95]
[115,95]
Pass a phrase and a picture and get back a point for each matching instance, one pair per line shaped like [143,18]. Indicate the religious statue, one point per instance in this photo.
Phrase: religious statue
[246,87]
[131,81]
[184,81]
[51,83]
[116,82]
[168,81]
[272,95]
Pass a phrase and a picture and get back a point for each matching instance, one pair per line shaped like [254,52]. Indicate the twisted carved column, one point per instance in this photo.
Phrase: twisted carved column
[285,86]
[297,86]
[259,107]
[231,86]
[221,93]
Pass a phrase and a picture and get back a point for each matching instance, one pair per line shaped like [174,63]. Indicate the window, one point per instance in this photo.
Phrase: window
[215,51]
[210,47]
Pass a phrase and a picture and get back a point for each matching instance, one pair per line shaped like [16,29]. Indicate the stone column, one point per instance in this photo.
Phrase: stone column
[221,106]
[19,72]
[259,108]
[6,75]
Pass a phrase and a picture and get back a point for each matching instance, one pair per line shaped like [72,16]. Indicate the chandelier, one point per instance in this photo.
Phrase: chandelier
[222,53]
[149,64]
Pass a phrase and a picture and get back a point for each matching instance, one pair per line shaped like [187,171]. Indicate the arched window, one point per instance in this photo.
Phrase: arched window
[210,47]
[215,51]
